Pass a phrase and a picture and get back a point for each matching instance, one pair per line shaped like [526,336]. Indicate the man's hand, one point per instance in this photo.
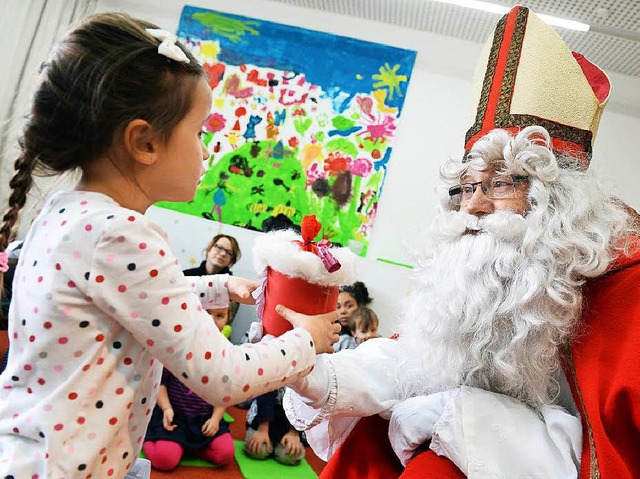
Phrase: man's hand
[292,444]
[167,419]
[412,421]
[240,289]
[211,426]
[259,439]
[323,328]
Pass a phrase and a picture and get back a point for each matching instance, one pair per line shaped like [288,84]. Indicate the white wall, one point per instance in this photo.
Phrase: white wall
[435,117]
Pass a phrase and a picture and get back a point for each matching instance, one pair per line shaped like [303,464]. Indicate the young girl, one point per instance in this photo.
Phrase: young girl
[99,302]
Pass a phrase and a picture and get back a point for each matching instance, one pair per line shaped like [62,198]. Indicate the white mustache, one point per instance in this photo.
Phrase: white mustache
[503,225]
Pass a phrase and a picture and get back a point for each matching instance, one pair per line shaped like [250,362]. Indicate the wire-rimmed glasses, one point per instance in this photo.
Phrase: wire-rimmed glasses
[497,187]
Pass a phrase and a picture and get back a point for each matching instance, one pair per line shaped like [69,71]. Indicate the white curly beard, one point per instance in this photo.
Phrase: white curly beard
[482,314]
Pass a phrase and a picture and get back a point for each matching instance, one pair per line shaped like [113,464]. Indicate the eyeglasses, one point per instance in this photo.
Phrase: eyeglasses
[221,249]
[495,188]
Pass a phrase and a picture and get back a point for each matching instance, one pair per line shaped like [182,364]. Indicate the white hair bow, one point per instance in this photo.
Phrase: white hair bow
[168,46]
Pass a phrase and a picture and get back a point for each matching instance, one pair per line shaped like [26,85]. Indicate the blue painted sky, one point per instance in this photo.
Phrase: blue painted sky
[327,60]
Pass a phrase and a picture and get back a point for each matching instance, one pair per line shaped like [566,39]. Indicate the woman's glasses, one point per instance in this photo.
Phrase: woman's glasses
[221,249]
[497,187]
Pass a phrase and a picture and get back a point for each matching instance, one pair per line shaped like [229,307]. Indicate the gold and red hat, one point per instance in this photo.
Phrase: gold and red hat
[528,76]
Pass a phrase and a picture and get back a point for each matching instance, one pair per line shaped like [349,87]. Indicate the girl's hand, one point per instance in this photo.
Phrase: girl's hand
[240,289]
[323,328]
[167,419]
[210,427]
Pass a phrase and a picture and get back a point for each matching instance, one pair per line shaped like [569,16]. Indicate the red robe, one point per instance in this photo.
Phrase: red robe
[603,369]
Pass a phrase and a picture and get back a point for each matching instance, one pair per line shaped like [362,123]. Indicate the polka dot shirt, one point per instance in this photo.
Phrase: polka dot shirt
[99,304]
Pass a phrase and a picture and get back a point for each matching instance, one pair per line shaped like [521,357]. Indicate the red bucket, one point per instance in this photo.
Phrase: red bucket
[296,294]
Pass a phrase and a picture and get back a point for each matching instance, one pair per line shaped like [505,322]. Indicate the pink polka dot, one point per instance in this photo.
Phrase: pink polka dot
[237,370]
[32,338]
[150,342]
[170,350]
[143,245]
[91,436]
[245,388]
[205,379]
[165,300]
[226,399]
[110,258]
[77,254]
[293,363]
[88,227]
[81,420]
[119,391]
[177,328]
[189,356]
[66,310]
[35,310]
[142,295]
[131,218]
[122,288]
[27,367]
[134,315]
[58,368]
[71,284]
[260,371]
[207,355]
[63,340]
[40,279]
[58,427]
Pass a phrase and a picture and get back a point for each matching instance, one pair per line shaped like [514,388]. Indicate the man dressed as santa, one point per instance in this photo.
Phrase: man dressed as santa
[517,350]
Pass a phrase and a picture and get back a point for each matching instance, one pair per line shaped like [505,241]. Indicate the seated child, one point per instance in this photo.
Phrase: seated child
[194,424]
[267,425]
[351,298]
[364,324]
[223,317]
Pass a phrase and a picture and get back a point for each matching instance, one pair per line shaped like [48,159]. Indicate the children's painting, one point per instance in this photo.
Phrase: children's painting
[302,123]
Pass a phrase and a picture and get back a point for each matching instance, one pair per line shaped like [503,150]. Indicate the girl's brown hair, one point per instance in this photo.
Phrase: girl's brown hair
[103,74]
[234,246]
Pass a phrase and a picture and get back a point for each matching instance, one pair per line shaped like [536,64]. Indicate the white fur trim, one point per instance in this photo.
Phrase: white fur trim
[277,250]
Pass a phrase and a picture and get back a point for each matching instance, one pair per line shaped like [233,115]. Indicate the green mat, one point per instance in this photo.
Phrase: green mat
[270,468]
[229,418]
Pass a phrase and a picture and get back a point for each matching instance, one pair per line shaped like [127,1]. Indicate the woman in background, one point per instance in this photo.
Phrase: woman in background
[222,253]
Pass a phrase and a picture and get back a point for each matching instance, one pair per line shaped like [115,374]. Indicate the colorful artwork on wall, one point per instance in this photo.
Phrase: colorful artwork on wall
[302,122]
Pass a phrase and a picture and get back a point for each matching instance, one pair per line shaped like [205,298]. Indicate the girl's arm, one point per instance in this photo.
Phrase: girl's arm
[136,281]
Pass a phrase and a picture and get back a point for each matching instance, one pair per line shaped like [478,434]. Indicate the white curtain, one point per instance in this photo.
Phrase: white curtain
[28,30]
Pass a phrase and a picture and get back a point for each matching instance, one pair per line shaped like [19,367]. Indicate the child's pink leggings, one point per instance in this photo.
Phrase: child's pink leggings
[165,455]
